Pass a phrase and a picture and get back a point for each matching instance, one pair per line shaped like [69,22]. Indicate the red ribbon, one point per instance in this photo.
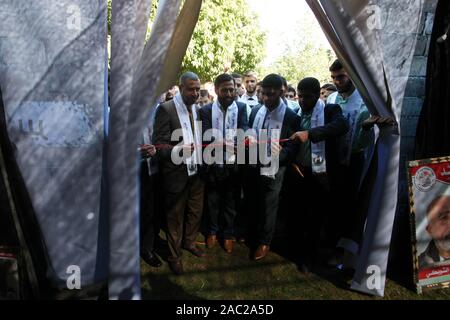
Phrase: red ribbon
[246,142]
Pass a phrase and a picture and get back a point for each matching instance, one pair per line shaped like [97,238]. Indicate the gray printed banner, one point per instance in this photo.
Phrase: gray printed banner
[52,76]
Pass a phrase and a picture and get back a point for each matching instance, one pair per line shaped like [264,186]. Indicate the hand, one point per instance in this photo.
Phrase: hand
[302,136]
[276,149]
[188,149]
[250,141]
[229,147]
[148,150]
[381,122]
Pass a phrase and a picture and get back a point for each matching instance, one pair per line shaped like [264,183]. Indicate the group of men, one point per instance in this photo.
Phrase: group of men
[309,152]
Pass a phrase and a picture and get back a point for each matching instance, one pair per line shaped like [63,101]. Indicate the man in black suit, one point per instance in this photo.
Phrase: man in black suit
[279,122]
[313,176]
[183,186]
[223,179]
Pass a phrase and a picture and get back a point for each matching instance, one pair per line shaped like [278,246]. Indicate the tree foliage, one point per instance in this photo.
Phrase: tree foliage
[308,61]
[226,38]
[307,56]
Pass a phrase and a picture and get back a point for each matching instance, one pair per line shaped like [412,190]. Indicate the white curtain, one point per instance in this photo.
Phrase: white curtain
[138,76]
[375,40]
[52,77]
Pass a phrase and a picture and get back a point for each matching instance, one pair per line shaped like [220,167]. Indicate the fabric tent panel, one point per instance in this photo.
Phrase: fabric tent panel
[158,65]
[129,25]
[379,60]
[55,120]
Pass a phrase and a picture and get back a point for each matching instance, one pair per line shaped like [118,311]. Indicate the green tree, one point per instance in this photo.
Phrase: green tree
[308,61]
[226,38]
[306,56]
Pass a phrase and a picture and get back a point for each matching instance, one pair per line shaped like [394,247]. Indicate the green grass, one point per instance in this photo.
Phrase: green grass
[220,276]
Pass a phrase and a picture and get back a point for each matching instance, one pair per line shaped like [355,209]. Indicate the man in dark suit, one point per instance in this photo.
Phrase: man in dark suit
[313,176]
[223,179]
[279,122]
[182,183]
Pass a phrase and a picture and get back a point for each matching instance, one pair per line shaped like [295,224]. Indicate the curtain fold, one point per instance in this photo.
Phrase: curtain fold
[52,80]
[152,70]
[376,41]
[128,28]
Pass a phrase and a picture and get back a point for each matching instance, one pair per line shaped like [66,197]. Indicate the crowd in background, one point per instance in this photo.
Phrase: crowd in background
[325,138]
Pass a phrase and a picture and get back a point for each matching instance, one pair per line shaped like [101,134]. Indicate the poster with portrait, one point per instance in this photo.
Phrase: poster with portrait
[429,186]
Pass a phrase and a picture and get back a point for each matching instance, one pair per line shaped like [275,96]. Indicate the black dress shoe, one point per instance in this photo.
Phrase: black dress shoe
[176,267]
[151,259]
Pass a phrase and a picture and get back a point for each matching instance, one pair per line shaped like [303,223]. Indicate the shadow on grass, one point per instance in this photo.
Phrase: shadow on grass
[285,249]
[162,288]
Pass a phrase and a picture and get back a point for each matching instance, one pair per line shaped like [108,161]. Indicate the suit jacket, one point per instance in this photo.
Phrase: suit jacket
[335,126]
[291,124]
[206,117]
[175,177]
[215,173]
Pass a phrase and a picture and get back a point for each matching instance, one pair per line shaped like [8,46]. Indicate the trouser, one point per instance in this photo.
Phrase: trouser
[344,222]
[184,212]
[150,222]
[310,202]
[267,201]
[245,205]
[354,230]
[223,199]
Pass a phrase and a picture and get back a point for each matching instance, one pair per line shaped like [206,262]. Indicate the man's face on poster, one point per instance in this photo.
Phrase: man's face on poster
[439,223]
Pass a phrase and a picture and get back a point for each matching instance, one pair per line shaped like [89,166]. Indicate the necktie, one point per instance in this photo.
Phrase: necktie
[191,118]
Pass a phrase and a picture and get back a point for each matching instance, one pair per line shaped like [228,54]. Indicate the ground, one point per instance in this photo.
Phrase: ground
[220,276]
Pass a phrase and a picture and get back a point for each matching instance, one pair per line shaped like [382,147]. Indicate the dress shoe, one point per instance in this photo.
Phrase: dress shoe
[176,267]
[196,251]
[228,245]
[211,241]
[261,252]
[151,259]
